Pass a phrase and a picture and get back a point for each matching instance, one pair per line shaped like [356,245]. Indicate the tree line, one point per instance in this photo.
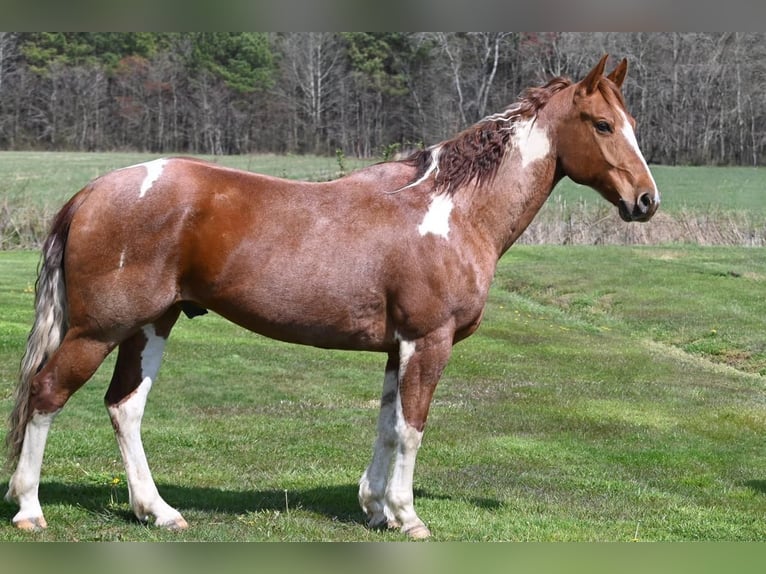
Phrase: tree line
[699,98]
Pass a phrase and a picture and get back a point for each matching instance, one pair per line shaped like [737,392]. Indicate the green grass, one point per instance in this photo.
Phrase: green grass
[612,393]
[34,185]
[711,205]
[50,178]
[699,189]
[711,307]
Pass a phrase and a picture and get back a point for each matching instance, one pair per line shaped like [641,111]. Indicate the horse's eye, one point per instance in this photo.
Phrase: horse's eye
[604,127]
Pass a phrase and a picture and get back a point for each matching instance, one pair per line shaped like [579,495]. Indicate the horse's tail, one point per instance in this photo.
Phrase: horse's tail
[50,324]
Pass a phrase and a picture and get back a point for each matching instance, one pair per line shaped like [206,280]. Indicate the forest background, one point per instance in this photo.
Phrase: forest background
[700,98]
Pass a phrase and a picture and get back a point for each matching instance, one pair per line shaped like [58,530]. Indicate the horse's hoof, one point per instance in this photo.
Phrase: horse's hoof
[176,524]
[393,524]
[418,532]
[377,522]
[31,524]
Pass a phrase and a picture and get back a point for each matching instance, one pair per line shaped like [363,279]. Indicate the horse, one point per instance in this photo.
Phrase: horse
[396,258]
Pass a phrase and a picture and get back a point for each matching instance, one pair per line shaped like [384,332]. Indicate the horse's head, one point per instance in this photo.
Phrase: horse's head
[597,144]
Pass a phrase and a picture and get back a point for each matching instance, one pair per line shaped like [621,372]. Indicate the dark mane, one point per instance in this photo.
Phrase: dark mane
[475,154]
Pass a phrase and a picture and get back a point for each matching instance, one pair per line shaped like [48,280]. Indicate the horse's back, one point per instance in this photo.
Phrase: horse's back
[277,256]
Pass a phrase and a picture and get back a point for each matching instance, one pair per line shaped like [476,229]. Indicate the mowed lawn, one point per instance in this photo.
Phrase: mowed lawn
[612,393]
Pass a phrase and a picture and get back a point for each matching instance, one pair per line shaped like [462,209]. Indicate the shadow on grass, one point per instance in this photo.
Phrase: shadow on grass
[337,502]
[756,485]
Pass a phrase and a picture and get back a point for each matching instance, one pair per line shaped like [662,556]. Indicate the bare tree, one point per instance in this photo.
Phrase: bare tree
[473,60]
[699,97]
[310,73]
[8,53]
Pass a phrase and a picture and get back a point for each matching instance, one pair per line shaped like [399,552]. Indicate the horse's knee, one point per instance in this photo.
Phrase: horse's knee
[46,394]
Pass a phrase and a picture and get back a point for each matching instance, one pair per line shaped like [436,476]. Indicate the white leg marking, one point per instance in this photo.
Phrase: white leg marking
[406,350]
[630,135]
[531,141]
[399,496]
[126,418]
[153,172]
[372,485]
[25,482]
[399,507]
[436,220]
[389,500]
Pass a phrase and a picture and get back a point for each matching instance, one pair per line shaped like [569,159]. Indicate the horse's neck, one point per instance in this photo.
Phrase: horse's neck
[506,206]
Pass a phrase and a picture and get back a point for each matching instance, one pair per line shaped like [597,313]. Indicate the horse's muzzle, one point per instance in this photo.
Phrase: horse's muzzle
[641,209]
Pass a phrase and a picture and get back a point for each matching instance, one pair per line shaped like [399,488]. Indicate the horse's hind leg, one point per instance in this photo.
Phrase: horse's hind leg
[69,368]
[138,362]
[24,484]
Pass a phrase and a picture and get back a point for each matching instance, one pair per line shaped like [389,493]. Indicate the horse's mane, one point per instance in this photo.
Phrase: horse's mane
[475,153]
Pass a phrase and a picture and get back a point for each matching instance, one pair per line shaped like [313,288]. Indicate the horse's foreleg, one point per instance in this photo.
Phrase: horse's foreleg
[137,365]
[372,485]
[67,370]
[422,364]
[402,420]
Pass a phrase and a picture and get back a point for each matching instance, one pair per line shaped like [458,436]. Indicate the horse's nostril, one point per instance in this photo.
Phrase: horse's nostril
[645,202]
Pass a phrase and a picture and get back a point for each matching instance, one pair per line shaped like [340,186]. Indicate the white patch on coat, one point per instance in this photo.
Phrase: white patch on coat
[436,219]
[531,141]
[630,135]
[153,172]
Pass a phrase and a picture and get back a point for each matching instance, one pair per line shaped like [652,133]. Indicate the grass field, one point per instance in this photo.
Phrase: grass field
[614,392]
[703,205]
[34,185]
[49,178]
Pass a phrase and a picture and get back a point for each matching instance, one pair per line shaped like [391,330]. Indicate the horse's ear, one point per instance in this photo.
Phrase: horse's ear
[618,74]
[590,83]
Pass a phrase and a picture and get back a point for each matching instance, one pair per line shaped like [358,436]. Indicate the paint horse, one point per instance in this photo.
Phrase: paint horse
[397,257]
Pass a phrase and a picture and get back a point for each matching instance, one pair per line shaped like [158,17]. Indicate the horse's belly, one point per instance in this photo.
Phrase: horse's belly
[303,315]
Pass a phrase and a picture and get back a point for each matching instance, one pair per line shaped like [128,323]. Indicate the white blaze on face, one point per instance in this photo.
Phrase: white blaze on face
[153,173]
[630,135]
[531,141]
[436,219]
